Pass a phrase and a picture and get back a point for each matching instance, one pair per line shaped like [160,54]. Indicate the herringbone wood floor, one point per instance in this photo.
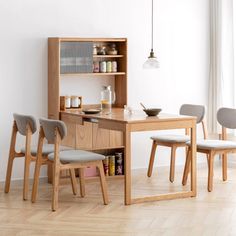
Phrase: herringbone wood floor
[207,214]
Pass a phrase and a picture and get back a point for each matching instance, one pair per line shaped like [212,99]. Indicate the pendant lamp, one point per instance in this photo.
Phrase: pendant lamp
[151,62]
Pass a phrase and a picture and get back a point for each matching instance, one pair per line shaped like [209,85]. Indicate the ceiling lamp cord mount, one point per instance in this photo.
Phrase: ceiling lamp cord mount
[151,62]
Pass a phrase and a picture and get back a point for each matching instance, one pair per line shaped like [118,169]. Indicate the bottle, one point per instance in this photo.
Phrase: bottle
[107,98]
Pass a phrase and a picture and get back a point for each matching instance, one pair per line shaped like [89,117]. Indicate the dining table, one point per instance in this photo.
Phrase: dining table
[138,121]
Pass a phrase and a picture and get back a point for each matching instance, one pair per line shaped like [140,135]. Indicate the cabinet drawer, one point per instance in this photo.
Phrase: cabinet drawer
[101,137]
[116,138]
[84,135]
[70,138]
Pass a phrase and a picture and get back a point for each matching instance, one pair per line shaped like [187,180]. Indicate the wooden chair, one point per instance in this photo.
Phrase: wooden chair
[26,126]
[175,141]
[227,119]
[55,131]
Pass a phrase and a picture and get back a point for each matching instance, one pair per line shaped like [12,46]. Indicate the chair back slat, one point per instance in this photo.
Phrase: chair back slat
[22,121]
[50,126]
[227,117]
[193,110]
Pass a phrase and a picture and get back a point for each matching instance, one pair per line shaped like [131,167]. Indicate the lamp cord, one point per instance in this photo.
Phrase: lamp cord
[152,28]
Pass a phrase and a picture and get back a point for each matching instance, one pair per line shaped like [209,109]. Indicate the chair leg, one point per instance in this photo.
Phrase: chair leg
[36,179]
[224,166]
[56,176]
[172,164]
[26,177]
[186,167]
[210,172]
[151,161]
[103,183]
[73,181]
[82,182]
[9,173]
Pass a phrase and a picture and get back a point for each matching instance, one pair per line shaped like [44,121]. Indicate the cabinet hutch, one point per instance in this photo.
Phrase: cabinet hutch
[73,57]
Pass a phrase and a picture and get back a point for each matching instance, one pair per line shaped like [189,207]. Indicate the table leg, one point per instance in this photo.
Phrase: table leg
[193,161]
[127,165]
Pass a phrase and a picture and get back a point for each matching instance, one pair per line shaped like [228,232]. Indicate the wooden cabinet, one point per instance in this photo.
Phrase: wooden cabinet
[62,64]
[73,57]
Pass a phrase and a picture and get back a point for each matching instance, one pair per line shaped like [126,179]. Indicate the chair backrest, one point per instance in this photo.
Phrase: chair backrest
[22,121]
[227,117]
[193,110]
[50,126]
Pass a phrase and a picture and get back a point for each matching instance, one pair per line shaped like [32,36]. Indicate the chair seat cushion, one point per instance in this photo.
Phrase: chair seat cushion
[214,144]
[171,138]
[47,149]
[77,156]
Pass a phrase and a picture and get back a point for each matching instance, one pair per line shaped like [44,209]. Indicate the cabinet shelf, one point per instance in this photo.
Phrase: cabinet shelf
[97,74]
[107,56]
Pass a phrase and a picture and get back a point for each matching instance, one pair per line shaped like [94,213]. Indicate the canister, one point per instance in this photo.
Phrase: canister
[103,67]
[109,65]
[96,67]
[114,66]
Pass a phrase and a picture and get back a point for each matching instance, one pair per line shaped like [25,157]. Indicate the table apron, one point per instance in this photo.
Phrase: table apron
[135,127]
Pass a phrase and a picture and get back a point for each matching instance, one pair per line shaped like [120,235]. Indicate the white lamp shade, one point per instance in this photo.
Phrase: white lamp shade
[151,63]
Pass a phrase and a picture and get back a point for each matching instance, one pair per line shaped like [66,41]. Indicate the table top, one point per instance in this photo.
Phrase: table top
[138,116]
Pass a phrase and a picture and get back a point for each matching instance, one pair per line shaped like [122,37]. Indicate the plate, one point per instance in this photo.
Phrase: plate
[92,111]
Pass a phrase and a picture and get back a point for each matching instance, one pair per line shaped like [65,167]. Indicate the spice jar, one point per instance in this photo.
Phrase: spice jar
[109,69]
[103,67]
[114,66]
[96,67]
[75,101]
[67,102]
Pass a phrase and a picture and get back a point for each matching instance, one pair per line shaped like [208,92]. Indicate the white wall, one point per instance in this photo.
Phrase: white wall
[180,43]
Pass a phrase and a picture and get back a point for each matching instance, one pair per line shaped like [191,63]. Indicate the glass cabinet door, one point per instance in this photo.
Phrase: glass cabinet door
[76,57]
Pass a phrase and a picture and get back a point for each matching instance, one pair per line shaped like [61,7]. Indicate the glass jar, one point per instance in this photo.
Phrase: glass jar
[107,98]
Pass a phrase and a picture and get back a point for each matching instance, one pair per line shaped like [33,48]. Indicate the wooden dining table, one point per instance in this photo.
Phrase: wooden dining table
[138,121]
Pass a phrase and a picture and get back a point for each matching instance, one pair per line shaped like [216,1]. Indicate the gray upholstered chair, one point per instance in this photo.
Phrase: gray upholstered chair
[26,126]
[175,141]
[55,131]
[227,119]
